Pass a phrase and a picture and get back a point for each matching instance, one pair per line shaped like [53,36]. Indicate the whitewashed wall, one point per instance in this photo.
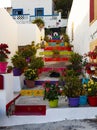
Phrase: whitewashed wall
[5,3]
[93,32]
[8,31]
[79,15]
[30,5]
[28,33]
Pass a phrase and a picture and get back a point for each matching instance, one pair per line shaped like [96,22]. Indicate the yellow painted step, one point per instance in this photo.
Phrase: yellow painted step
[35,92]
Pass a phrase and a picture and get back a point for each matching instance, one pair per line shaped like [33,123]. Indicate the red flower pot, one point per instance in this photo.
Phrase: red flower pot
[92,100]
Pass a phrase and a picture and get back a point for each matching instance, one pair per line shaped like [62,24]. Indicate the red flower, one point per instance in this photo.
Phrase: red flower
[4,52]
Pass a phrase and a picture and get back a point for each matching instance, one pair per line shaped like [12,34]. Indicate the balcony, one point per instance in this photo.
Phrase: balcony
[51,21]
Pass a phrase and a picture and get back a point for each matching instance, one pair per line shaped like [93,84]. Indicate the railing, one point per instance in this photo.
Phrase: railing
[25,18]
[50,20]
[45,17]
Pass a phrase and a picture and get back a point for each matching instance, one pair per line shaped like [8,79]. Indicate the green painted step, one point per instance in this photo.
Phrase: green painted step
[50,53]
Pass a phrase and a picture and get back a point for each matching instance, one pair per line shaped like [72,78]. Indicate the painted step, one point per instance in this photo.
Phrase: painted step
[29,105]
[32,92]
[41,80]
[30,110]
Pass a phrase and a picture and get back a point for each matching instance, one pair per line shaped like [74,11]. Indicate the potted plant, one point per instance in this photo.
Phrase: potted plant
[92,92]
[72,87]
[36,63]
[92,54]
[19,64]
[28,51]
[83,92]
[9,69]
[3,56]
[76,62]
[52,92]
[56,53]
[30,76]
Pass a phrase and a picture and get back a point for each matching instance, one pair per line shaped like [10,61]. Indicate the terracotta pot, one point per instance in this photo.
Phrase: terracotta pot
[30,83]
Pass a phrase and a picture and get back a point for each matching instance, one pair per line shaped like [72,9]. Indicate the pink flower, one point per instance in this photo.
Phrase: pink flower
[47,89]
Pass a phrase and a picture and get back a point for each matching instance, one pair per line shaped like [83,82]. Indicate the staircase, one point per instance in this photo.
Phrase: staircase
[30,101]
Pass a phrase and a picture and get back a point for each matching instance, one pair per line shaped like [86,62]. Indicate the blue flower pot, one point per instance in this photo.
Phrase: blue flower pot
[83,100]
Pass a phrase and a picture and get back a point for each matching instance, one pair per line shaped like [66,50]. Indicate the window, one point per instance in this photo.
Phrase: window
[17,11]
[39,11]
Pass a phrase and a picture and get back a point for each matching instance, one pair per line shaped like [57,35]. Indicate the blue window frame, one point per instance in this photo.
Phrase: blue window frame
[39,11]
[17,11]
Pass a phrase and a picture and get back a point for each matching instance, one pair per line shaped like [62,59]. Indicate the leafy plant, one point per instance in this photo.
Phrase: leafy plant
[27,51]
[36,62]
[51,91]
[4,52]
[76,62]
[72,84]
[18,61]
[39,22]
[31,74]
[91,88]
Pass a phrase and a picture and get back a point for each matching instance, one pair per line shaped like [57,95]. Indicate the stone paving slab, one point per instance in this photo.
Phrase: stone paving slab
[60,125]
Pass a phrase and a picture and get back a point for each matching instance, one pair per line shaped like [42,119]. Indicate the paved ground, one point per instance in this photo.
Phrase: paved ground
[61,125]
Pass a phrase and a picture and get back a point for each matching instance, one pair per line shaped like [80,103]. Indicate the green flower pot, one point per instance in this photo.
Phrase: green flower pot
[53,103]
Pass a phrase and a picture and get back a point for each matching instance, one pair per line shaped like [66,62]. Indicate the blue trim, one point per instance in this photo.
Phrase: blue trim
[45,15]
[18,11]
[18,14]
[39,11]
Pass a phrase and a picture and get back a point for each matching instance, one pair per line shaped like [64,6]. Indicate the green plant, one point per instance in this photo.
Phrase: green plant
[4,52]
[9,69]
[36,62]
[56,53]
[39,22]
[18,61]
[27,51]
[66,38]
[31,74]
[51,91]
[91,88]
[72,84]
[76,62]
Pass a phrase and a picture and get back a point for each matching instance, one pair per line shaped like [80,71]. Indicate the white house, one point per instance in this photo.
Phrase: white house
[82,25]
[24,11]
[78,25]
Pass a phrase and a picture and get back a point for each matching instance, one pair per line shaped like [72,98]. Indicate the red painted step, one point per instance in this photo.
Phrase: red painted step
[30,110]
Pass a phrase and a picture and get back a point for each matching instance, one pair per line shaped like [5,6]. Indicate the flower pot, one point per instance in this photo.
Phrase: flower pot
[83,100]
[3,67]
[30,83]
[53,103]
[17,72]
[92,100]
[74,102]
